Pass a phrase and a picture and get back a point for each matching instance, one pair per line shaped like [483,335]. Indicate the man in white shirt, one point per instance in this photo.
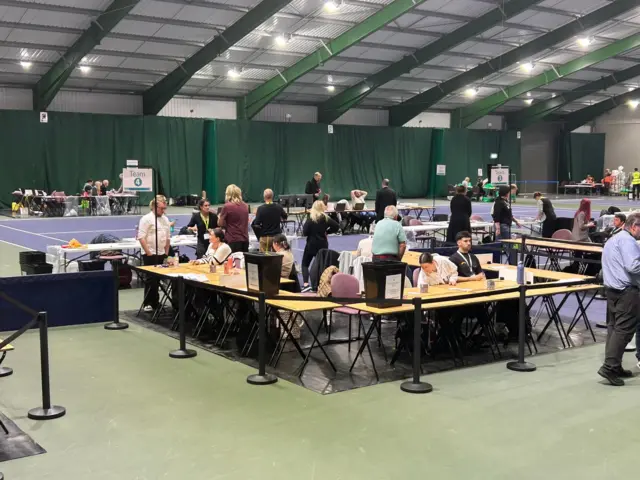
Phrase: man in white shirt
[152,253]
[365,247]
[436,270]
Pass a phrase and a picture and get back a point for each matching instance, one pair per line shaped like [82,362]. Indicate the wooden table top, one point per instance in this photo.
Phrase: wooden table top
[6,348]
[536,272]
[549,243]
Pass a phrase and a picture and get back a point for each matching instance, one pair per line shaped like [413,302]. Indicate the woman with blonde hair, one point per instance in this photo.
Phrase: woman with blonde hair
[234,218]
[315,229]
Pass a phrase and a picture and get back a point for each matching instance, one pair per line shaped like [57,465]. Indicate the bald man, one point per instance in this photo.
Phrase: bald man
[268,221]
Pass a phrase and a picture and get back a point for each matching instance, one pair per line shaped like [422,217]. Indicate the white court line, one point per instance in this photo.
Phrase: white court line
[89,231]
[32,233]
[16,245]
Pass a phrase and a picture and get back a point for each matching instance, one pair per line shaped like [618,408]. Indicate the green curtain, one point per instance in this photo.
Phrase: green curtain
[466,151]
[284,156]
[73,147]
[581,154]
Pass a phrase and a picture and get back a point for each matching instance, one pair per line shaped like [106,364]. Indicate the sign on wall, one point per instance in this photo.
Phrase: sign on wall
[137,179]
[500,175]
[441,170]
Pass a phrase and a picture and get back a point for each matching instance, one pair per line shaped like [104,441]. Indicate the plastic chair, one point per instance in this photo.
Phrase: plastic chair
[562,234]
[345,286]
[416,275]
[414,222]
[477,218]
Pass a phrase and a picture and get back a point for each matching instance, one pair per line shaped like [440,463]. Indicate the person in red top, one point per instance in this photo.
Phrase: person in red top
[234,218]
[607,181]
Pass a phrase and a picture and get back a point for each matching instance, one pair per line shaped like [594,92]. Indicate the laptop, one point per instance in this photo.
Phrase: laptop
[358,206]
[340,207]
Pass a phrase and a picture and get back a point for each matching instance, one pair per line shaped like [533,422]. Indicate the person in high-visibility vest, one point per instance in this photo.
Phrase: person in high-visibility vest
[635,182]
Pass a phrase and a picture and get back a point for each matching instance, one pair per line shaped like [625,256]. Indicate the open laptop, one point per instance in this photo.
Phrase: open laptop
[358,206]
[340,207]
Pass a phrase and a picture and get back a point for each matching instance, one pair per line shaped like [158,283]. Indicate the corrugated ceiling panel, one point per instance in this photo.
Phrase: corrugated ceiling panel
[56,19]
[45,38]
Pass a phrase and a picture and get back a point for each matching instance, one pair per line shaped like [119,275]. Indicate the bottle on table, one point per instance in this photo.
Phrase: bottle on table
[520,273]
[176,260]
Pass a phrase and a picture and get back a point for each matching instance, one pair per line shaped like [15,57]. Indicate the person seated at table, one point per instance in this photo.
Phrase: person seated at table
[466,183]
[589,180]
[436,270]
[389,239]
[104,188]
[268,221]
[468,265]
[546,215]
[87,187]
[218,251]
[281,247]
[201,223]
[97,187]
[363,219]
[607,180]
[582,222]
[619,219]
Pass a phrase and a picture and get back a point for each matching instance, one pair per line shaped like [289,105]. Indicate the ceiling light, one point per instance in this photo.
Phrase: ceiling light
[527,67]
[330,78]
[553,95]
[283,39]
[584,42]
[631,89]
[528,94]
[85,68]
[633,104]
[470,92]
[332,5]
[26,65]
[233,73]
[529,101]
[331,88]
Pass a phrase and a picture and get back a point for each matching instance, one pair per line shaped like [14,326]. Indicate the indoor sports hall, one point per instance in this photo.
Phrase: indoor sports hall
[337,239]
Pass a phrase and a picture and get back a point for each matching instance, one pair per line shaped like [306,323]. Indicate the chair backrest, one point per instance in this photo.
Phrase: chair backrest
[406,221]
[414,222]
[416,274]
[477,218]
[562,234]
[345,286]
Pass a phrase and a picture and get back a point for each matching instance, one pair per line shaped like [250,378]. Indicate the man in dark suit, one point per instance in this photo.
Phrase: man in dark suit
[384,197]
[313,186]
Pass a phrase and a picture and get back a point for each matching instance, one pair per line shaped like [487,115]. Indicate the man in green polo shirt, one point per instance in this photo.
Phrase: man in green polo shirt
[389,239]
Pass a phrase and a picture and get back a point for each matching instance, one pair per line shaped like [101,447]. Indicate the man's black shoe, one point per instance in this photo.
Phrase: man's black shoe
[611,377]
[621,372]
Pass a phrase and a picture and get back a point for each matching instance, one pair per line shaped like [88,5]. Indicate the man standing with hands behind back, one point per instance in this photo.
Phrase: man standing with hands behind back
[150,254]
[384,198]
[313,186]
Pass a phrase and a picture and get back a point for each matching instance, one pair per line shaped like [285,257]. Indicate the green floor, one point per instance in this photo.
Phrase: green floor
[136,414]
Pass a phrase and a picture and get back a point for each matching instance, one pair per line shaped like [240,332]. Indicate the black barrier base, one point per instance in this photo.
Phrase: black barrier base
[40,413]
[521,367]
[186,353]
[266,379]
[5,372]
[420,387]
[116,326]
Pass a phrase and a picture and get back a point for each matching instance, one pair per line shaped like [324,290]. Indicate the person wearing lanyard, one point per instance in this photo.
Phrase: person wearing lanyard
[201,223]
[621,274]
[502,215]
[469,268]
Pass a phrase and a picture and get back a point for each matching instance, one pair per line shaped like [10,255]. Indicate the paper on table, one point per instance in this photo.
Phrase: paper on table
[393,288]
[253,277]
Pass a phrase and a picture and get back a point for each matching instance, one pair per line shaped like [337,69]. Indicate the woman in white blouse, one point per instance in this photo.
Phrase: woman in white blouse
[218,251]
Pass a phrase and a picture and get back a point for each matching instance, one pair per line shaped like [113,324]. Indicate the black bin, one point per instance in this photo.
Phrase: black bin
[262,272]
[90,265]
[32,257]
[378,276]
[36,268]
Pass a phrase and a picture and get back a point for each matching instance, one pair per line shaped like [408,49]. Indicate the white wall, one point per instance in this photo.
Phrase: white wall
[490,122]
[16,99]
[430,120]
[199,108]
[364,116]
[583,129]
[622,144]
[91,102]
[276,112]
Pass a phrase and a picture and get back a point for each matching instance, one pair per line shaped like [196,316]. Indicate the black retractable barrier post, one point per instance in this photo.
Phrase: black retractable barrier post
[116,324]
[182,352]
[47,411]
[521,365]
[415,385]
[262,377]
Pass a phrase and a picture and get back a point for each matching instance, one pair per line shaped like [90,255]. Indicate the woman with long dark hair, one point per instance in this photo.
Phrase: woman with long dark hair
[202,223]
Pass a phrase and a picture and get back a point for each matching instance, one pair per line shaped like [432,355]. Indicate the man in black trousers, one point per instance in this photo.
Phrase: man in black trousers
[384,197]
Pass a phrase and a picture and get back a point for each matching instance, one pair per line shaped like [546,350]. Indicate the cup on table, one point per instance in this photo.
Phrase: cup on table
[212,268]
[424,288]
[490,285]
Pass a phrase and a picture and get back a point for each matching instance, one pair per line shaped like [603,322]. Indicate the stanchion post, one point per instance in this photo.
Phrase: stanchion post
[47,411]
[520,365]
[262,377]
[182,352]
[116,324]
[415,385]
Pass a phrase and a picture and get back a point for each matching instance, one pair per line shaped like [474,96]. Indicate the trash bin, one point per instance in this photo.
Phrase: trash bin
[262,272]
[384,279]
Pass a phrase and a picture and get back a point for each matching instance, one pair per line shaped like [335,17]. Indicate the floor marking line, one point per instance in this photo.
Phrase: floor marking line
[16,245]
[32,233]
[89,231]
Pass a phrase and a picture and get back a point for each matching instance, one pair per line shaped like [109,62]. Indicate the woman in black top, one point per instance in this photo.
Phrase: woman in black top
[546,214]
[501,213]
[201,223]
[315,229]
[460,220]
